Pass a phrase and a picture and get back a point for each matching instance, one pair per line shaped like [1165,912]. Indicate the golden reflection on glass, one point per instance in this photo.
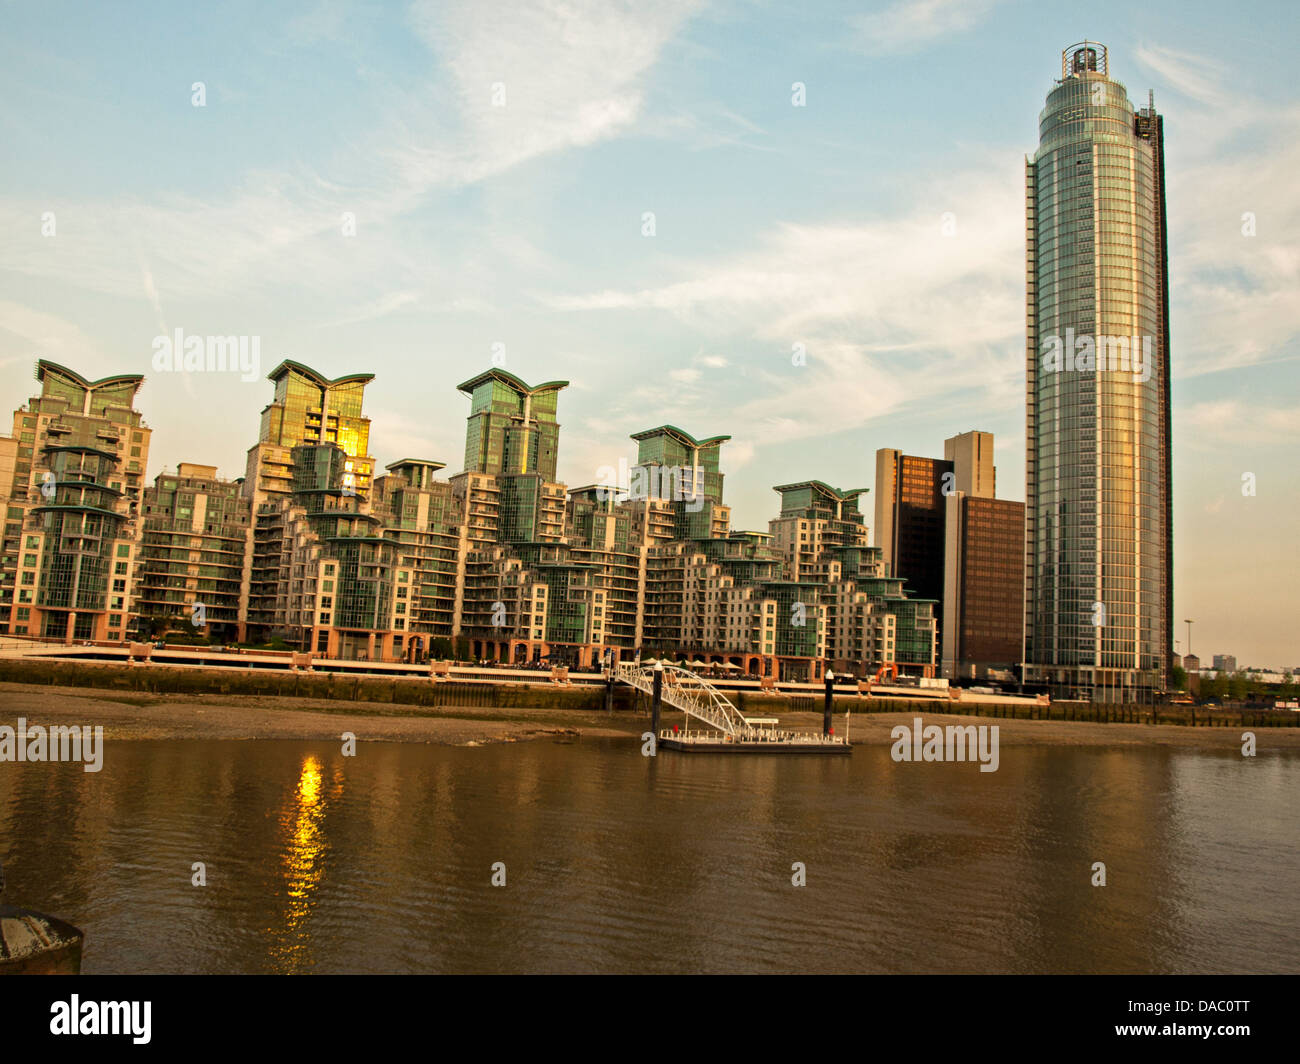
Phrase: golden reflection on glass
[302,865]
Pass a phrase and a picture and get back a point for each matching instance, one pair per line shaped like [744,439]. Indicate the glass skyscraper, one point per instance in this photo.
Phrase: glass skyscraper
[1098,613]
[512,426]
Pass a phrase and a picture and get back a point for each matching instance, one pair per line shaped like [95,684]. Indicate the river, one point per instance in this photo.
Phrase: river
[383,862]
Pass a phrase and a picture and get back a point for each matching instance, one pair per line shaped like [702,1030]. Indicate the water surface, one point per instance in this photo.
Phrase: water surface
[382,862]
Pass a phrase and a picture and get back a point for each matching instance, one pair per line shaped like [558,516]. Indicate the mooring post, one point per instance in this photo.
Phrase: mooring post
[830,697]
[657,698]
[609,681]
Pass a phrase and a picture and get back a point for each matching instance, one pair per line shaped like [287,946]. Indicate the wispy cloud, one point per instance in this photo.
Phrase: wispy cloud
[844,322]
[1214,424]
[1234,214]
[572,75]
[379,308]
[907,25]
[29,334]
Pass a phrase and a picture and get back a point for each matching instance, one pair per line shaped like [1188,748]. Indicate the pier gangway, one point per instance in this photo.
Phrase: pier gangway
[690,693]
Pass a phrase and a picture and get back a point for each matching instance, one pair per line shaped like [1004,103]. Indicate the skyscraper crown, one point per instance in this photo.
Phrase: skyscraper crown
[1086,57]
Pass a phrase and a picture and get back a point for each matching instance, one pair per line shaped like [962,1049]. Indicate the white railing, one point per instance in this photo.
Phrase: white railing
[693,695]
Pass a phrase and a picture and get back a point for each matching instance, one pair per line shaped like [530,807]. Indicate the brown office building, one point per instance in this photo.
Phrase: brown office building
[983,585]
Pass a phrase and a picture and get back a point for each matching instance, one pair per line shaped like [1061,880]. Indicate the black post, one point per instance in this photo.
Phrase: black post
[609,683]
[826,710]
[656,699]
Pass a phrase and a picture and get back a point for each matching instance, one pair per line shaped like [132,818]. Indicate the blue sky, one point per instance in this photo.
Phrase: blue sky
[774,225]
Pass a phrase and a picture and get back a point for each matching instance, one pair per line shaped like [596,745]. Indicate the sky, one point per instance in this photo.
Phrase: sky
[800,225]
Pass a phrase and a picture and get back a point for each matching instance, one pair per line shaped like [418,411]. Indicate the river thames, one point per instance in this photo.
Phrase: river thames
[384,862]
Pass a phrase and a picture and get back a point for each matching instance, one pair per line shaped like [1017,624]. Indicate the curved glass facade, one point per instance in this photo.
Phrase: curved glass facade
[1097,512]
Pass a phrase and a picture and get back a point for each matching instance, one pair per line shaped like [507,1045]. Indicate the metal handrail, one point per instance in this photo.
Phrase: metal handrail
[692,694]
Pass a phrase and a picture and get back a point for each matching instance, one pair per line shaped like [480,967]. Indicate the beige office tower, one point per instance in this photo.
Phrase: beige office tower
[971,457]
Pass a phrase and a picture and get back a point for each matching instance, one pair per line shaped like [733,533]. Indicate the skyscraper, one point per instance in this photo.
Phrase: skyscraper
[309,408]
[909,518]
[72,507]
[512,427]
[912,495]
[674,464]
[1099,586]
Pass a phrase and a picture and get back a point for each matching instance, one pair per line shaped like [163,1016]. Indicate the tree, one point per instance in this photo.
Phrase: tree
[1179,678]
[1214,687]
